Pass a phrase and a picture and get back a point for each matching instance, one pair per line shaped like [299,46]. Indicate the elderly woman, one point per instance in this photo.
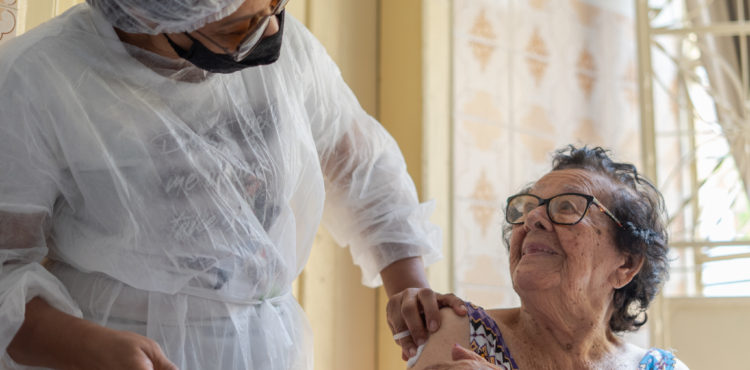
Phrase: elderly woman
[588,253]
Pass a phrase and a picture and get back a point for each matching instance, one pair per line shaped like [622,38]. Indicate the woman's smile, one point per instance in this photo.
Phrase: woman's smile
[537,249]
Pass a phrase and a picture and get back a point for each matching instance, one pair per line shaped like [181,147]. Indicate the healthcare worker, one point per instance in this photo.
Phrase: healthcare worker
[173,160]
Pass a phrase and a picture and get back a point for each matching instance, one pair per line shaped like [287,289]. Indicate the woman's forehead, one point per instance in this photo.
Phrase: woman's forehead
[572,180]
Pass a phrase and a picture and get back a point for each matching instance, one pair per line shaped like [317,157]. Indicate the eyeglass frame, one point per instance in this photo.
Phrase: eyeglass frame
[253,36]
[590,199]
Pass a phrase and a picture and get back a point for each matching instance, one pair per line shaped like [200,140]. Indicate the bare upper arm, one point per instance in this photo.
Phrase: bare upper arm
[453,329]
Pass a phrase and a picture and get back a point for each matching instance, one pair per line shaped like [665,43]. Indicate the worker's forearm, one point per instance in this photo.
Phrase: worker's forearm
[405,273]
[48,337]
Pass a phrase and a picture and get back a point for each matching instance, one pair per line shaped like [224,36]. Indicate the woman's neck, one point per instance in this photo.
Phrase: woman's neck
[572,333]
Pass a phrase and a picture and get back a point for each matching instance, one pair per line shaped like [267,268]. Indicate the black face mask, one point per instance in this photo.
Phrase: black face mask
[266,52]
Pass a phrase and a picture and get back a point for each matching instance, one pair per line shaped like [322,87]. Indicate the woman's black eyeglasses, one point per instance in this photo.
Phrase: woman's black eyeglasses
[562,209]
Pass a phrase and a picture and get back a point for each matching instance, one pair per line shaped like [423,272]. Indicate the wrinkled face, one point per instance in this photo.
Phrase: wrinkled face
[579,260]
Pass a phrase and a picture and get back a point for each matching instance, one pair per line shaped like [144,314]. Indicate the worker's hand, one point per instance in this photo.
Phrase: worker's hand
[50,338]
[418,311]
[463,359]
[114,349]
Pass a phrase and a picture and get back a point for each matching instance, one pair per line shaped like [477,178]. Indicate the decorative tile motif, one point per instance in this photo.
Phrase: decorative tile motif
[586,13]
[482,106]
[538,148]
[482,29]
[8,14]
[586,72]
[483,134]
[511,112]
[485,269]
[538,4]
[537,56]
[588,134]
[485,198]
[490,297]
[627,149]
[536,120]
[482,52]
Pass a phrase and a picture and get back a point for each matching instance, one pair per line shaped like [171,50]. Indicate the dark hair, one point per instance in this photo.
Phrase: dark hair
[641,210]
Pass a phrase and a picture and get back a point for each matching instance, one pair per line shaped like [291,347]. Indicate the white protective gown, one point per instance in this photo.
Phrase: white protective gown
[181,205]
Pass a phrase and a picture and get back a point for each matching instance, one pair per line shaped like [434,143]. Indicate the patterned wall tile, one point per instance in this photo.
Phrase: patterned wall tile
[482,105]
[483,135]
[485,279]
[538,148]
[490,297]
[586,14]
[485,199]
[8,19]
[548,74]
[539,4]
[536,119]
[537,56]
[628,149]
[476,65]
[471,163]
[588,133]
[481,119]
[479,30]
[486,269]
[482,28]
[586,72]
[470,239]
[481,18]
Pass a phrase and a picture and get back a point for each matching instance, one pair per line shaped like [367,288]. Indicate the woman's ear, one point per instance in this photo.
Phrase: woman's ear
[630,266]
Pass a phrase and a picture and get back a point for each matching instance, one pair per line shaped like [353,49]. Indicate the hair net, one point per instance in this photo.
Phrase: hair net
[154,17]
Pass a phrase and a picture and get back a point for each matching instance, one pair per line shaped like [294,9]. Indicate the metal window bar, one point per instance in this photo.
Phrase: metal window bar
[689,32]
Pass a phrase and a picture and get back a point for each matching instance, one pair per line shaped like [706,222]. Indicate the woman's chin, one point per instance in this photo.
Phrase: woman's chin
[526,278]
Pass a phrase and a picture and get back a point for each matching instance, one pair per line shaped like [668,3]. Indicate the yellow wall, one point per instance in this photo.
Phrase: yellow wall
[341,311]
[38,11]
[379,47]
[709,333]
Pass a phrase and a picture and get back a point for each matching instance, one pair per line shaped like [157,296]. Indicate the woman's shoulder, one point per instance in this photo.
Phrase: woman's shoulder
[478,331]
[489,330]
[655,358]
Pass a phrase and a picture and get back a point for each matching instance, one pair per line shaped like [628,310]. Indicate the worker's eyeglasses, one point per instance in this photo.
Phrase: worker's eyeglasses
[258,27]
[562,209]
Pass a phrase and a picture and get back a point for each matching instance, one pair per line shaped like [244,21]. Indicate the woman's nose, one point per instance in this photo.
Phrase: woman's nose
[537,219]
